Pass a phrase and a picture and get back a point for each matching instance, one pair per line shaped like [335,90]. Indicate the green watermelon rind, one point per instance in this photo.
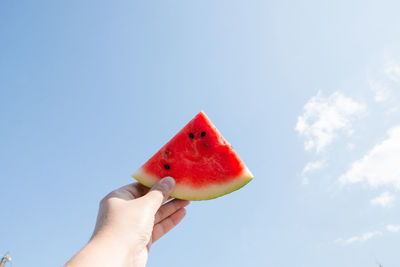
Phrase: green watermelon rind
[195,194]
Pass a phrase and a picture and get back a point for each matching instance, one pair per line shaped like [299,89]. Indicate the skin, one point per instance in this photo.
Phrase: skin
[129,221]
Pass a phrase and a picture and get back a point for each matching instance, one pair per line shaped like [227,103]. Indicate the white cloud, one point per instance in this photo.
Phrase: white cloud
[393,228]
[385,200]
[362,238]
[380,166]
[324,118]
[310,167]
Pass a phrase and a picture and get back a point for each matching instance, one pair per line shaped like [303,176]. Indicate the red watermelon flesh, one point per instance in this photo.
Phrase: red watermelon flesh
[203,164]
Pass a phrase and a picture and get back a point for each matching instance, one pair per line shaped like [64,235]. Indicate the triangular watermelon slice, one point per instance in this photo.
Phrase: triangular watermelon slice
[203,164]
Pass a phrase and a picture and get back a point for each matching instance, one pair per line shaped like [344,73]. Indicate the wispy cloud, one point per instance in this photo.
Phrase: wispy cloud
[381,91]
[325,118]
[392,70]
[393,228]
[361,238]
[384,83]
[368,235]
[350,146]
[380,166]
[385,200]
[310,167]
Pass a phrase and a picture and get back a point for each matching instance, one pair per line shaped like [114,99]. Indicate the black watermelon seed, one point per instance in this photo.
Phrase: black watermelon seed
[167,152]
[166,166]
[203,134]
[191,135]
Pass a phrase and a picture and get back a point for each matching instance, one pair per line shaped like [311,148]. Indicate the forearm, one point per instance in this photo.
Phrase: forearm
[103,251]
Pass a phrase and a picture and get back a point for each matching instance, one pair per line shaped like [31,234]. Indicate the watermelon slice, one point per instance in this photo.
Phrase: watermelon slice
[202,162]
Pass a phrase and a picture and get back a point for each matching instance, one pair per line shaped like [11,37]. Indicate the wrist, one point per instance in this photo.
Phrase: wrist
[108,246]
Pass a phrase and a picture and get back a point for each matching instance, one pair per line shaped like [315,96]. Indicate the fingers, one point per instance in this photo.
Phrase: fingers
[159,193]
[167,224]
[129,192]
[169,208]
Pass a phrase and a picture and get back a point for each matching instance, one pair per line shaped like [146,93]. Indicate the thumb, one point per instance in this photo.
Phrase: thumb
[159,193]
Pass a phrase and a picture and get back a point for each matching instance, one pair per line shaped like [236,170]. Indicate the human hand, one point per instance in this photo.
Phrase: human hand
[130,219]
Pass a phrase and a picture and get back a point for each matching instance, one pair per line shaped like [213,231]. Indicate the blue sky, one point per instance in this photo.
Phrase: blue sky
[307,92]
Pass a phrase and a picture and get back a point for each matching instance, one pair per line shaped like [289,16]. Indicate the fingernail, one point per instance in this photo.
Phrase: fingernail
[167,182]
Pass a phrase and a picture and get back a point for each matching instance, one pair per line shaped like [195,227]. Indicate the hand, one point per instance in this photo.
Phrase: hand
[129,221]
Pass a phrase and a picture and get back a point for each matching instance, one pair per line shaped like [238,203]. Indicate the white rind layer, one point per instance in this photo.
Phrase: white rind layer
[203,193]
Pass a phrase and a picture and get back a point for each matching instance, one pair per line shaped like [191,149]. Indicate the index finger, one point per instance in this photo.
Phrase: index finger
[130,191]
